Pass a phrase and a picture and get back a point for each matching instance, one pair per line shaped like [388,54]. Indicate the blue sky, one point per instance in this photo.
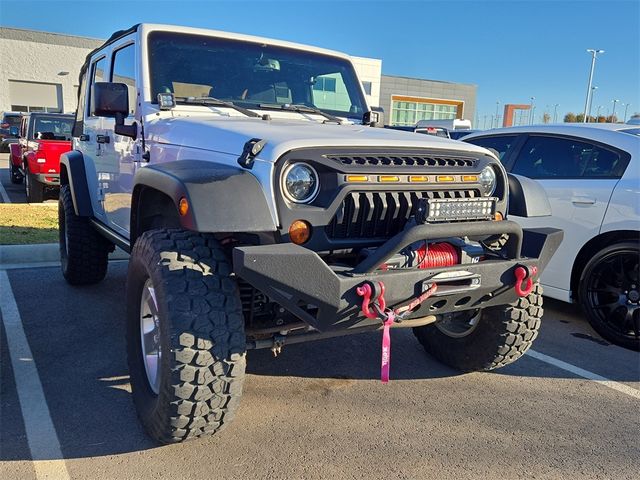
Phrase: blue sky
[511,49]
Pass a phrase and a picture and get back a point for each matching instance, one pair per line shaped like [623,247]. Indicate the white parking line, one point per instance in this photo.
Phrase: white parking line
[620,387]
[4,194]
[46,454]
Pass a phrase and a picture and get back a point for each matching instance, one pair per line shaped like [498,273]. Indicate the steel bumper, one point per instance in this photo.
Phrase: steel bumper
[50,179]
[294,276]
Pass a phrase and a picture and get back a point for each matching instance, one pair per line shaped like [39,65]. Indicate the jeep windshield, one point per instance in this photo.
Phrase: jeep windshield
[253,75]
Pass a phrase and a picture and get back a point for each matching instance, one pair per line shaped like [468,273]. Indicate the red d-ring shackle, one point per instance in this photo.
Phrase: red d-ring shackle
[524,273]
[366,290]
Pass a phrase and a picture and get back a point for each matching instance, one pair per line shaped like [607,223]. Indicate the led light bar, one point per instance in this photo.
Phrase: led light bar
[456,209]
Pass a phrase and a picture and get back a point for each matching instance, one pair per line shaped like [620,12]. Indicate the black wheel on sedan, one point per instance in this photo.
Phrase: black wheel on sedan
[609,293]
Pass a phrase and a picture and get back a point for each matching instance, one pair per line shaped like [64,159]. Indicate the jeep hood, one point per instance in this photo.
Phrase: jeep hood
[229,134]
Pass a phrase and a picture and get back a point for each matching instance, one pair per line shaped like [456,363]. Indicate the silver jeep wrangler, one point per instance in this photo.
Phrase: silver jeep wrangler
[261,208]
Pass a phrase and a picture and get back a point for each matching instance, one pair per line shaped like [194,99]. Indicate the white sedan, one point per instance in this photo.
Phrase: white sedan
[591,173]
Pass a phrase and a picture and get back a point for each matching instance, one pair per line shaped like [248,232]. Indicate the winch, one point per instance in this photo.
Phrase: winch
[424,254]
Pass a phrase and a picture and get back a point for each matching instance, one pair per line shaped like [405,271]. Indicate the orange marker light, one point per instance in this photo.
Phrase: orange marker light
[183,207]
[299,232]
[445,178]
[498,216]
[356,178]
[388,178]
[469,178]
[418,178]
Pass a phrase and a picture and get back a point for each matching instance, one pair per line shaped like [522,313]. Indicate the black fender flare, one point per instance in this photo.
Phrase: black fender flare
[73,173]
[527,198]
[221,198]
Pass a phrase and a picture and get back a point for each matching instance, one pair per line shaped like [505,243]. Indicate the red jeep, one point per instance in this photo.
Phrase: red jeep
[36,156]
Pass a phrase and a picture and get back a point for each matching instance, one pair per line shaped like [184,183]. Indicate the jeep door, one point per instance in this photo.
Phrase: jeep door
[87,137]
[121,153]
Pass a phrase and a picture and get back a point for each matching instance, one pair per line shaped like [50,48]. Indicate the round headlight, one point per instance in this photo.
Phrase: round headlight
[488,181]
[300,182]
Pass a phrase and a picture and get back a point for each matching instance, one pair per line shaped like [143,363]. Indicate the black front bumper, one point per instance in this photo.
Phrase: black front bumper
[294,276]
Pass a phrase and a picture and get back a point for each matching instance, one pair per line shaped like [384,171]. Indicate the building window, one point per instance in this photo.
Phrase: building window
[367,87]
[409,113]
[33,108]
[325,84]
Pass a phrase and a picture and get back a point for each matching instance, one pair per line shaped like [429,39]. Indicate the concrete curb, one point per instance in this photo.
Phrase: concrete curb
[44,254]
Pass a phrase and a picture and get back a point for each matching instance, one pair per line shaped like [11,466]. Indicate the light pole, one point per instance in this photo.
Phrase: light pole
[594,54]
[598,114]
[555,112]
[531,111]
[613,114]
[593,91]
[497,108]
[626,107]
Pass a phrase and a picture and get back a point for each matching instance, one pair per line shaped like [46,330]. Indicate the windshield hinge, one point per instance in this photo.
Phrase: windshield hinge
[251,149]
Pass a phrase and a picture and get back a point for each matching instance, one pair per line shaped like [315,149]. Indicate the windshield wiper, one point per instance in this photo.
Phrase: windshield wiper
[216,102]
[300,108]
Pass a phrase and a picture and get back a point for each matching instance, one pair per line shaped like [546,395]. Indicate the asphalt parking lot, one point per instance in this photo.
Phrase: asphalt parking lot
[569,409]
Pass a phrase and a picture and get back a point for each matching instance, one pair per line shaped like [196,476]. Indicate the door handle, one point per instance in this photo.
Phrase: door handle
[103,139]
[84,138]
[583,200]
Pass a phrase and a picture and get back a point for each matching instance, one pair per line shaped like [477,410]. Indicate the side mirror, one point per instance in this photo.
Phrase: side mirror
[108,99]
[112,100]
[13,131]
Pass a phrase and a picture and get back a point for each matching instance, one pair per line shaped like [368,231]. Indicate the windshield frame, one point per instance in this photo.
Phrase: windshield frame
[353,87]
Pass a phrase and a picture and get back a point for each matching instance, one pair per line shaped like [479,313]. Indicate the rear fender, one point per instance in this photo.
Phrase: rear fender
[15,156]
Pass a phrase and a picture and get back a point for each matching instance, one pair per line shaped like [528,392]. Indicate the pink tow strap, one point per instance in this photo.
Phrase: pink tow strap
[388,316]
[386,348]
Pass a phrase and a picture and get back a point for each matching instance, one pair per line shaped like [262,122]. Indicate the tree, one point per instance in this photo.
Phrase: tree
[546,118]
[570,117]
[580,118]
[612,119]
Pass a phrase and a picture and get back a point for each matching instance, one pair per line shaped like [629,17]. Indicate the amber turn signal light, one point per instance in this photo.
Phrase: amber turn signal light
[356,178]
[388,178]
[445,178]
[299,232]
[418,178]
[183,207]
[498,216]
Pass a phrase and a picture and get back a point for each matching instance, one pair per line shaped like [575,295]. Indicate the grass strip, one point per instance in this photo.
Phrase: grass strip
[24,223]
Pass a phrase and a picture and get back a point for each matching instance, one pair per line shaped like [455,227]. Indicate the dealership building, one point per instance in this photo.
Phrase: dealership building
[39,72]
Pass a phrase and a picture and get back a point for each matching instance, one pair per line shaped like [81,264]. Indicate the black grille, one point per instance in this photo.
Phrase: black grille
[381,214]
[403,160]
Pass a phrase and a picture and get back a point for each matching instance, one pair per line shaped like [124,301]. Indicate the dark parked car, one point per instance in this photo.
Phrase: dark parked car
[9,126]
